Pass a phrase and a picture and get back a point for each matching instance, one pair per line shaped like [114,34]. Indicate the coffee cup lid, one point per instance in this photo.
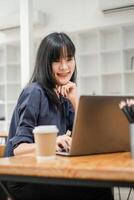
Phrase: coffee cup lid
[45,129]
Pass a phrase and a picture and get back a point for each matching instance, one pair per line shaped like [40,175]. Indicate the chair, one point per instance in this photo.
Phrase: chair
[2,149]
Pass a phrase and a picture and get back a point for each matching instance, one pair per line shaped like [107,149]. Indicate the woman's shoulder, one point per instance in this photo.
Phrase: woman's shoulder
[32,93]
[33,89]
[35,86]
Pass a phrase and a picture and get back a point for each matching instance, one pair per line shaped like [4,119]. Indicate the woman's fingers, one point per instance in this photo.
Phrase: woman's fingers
[65,89]
[64,142]
[61,143]
[58,149]
[68,133]
[68,140]
[58,88]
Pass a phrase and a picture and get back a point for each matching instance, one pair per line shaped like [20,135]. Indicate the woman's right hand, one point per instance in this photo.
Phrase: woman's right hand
[63,143]
[69,91]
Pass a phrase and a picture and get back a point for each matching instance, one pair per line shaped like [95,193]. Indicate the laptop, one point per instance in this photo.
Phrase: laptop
[99,127]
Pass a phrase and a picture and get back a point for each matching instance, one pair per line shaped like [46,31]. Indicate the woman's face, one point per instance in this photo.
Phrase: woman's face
[63,70]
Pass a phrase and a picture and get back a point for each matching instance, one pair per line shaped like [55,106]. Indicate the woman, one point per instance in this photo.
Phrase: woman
[49,98]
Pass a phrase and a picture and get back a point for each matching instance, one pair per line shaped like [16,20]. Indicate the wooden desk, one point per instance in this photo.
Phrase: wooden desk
[115,169]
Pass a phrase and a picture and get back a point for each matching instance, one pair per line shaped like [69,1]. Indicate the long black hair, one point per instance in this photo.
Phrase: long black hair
[53,47]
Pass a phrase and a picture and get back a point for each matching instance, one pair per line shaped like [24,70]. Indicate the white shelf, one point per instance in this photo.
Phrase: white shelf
[106,60]
[111,62]
[2,65]
[112,51]
[128,36]
[2,75]
[13,52]
[88,42]
[128,49]
[13,91]
[11,102]
[111,84]
[128,71]
[89,85]
[110,39]
[11,76]
[128,59]
[10,108]
[2,83]
[88,65]
[2,92]
[2,55]
[2,111]
[129,83]
[9,81]
[2,102]
[15,83]
[3,126]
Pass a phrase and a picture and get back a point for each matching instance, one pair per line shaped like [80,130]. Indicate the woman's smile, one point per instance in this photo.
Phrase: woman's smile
[63,74]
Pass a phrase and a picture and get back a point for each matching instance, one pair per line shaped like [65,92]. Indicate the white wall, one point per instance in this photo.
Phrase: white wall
[68,15]
[8,7]
[71,15]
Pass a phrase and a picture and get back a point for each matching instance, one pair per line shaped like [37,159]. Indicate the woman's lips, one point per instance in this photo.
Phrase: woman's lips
[63,74]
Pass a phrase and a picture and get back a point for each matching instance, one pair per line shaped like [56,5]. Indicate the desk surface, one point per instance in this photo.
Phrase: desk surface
[111,167]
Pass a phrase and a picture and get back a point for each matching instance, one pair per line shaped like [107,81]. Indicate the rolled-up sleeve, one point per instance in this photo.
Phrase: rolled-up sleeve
[28,112]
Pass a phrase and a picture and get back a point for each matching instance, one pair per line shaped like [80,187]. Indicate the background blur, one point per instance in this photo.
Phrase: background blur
[102,31]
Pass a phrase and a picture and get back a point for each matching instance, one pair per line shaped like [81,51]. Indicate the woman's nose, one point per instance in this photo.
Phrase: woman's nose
[63,65]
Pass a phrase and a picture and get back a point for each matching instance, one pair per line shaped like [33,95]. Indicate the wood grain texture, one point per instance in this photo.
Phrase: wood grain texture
[115,167]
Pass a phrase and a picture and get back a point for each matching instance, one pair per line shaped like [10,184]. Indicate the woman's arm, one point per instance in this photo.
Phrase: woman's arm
[25,148]
[62,142]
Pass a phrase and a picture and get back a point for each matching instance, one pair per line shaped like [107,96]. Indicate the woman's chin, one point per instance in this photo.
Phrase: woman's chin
[60,83]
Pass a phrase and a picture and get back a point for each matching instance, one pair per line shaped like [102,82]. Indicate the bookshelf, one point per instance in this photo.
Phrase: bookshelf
[105,60]
[10,81]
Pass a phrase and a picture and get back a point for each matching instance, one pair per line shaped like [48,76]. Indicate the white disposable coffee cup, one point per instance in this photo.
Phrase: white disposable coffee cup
[45,141]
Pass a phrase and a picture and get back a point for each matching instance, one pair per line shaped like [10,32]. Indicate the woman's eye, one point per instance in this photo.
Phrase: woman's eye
[69,59]
[55,61]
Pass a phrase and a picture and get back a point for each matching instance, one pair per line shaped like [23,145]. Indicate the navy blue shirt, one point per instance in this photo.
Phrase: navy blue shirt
[33,109]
